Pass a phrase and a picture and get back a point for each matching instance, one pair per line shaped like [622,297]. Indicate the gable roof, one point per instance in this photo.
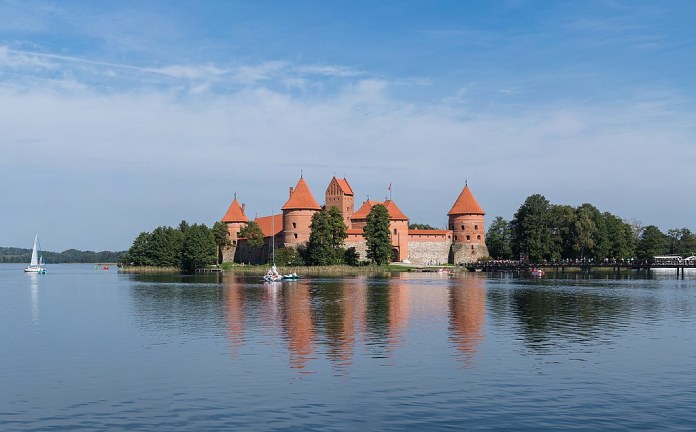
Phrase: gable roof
[466,204]
[234,213]
[301,198]
[269,224]
[345,187]
[395,212]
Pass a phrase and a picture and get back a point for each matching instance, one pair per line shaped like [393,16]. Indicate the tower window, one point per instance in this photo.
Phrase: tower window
[394,231]
[455,237]
[468,237]
[295,235]
[294,225]
[475,227]
[462,227]
[478,237]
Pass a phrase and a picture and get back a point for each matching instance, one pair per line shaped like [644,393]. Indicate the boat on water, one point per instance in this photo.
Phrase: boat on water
[536,272]
[272,275]
[37,264]
[291,276]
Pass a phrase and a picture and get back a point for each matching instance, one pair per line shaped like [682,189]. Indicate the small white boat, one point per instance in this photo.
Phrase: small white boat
[291,276]
[536,272]
[272,275]
[36,265]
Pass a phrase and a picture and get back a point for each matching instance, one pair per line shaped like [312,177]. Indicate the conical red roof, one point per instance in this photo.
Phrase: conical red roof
[235,213]
[301,198]
[466,204]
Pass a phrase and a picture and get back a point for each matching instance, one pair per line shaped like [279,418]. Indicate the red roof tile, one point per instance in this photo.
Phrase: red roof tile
[345,187]
[354,231]
[301,198]
[466,204]
[394,212]
[235,213]
[269,224]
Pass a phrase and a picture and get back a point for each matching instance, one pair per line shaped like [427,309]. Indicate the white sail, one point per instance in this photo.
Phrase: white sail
[35,253]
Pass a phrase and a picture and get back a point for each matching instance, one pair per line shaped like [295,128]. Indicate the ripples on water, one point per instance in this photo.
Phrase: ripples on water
[92,350]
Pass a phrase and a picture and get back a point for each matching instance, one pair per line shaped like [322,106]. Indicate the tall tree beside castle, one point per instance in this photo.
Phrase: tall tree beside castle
[377,235]
[499,239]
[253,235]
[198,249]
[326,238]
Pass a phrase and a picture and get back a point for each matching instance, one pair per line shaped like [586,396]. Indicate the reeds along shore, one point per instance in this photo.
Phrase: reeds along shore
[334,270]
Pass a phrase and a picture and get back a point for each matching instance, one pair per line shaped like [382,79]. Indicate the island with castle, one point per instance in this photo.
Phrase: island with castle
[463,242]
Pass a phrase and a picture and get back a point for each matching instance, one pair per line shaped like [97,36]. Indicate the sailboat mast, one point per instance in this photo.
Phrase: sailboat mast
[272,237]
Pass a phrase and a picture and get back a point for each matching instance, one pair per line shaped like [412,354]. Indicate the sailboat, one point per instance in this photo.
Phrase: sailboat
[272,274]
[37,265]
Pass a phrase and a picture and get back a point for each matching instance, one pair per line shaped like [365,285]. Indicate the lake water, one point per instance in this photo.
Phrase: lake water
[86,349]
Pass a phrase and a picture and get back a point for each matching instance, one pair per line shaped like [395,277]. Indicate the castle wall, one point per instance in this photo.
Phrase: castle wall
[296,224]
[466,253]
[432,251]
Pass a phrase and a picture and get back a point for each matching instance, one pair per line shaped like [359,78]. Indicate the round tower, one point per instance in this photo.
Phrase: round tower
[467,223]
[235,219]
[297,214]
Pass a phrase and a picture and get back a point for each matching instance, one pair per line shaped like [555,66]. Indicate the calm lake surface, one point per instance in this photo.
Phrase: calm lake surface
[86,349]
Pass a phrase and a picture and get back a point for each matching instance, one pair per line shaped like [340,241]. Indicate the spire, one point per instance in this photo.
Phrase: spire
[301,198]
[466,203]
[235,213]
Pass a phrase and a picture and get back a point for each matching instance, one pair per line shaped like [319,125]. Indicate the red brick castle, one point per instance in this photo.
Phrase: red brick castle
[463,242]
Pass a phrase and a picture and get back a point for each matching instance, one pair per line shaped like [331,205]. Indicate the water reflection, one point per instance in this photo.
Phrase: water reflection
[339,319]
[34,289]
[467,314]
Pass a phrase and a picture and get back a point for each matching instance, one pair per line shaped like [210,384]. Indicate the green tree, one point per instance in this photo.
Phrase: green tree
[420,226]
[165,245]
[222,238]
[681,241]
[583,233]
[139,252]
[351,256]
[499,239]
[198,248]
[530,232]
[560,220]
[288,256]
[652,242]
[319,248]
[253,234]
[622,242]
[328,232]
[377,235]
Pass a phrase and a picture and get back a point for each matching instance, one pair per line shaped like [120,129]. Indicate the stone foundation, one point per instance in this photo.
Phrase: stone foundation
[429,253]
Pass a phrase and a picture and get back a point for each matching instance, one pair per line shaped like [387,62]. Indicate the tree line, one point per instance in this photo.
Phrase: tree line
[187,247]
[19,255]
[552,232]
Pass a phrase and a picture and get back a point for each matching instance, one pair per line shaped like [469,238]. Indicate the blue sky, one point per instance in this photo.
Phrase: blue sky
[122,116]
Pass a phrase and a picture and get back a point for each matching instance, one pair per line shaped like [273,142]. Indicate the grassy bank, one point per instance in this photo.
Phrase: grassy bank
[149,269]
[334,270]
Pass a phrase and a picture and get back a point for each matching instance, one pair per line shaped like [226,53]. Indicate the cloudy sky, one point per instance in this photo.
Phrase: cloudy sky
[121,116]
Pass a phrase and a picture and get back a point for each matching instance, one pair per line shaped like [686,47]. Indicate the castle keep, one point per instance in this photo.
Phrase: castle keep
[463,241]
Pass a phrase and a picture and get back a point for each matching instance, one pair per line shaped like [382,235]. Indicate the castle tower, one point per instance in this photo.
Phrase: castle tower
[235,219]
[340,194]
[466,220]
[297,214]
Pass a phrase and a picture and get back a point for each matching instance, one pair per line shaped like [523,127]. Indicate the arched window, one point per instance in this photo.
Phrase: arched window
[478,237]
[295,235]
[294,225]
[463,227]
[468,237]
[394,231]
[476,227]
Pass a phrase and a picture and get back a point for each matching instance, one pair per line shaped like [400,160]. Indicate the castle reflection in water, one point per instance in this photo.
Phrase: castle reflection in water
[336,318]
